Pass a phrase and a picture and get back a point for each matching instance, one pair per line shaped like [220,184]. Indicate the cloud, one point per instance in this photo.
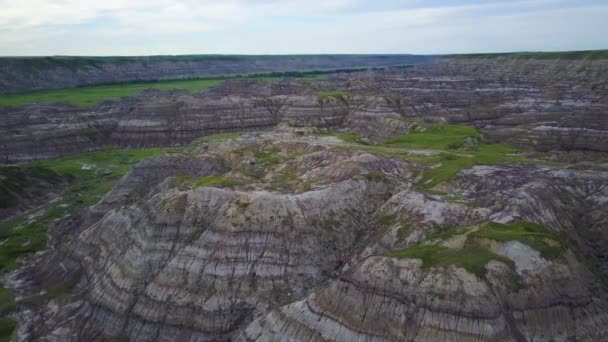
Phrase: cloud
[36,27]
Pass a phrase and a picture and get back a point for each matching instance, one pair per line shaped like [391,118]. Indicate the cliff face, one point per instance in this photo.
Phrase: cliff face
[317,245]
[390,298]
[23,74]
[544,105]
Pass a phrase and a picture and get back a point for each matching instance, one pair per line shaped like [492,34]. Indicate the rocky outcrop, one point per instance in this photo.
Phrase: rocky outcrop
[540,104]
[529,295]
[572,202]
[389,299]
[154,119]
[289,235]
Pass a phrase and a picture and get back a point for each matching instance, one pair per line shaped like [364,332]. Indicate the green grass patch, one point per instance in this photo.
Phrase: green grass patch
[549,244]
[482,154]
[445,233]
[436,137]
[92,95]
[267,157]
[86,96]
[351,138]
[92,176]
[449,143]
[7,303]
[19,182]
[209,181]
[374,176]
[336,94]
[288,180]
[403,231]
[7,326]
[447,170]
[472,259]
[386,220]
[347,137]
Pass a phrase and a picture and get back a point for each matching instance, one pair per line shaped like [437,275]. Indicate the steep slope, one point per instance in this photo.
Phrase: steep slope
[296,234]
[23,188]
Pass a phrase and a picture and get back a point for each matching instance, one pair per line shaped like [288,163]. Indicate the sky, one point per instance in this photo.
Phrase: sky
[160,27]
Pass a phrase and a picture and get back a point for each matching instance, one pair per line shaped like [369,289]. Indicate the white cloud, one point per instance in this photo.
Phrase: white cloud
[295,26]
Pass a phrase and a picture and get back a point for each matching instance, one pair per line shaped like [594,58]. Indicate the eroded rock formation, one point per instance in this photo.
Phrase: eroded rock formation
[290,231]
[304,245]
[544,105]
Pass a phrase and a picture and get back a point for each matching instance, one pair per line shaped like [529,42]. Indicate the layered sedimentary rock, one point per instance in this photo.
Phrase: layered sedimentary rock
[388,299]
[542,104]
[300,238]
[539,104]
[291,232]
[23,73]
[573,202]
[154,119]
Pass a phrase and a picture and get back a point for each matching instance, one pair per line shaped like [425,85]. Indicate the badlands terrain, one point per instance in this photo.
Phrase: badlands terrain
[454,198]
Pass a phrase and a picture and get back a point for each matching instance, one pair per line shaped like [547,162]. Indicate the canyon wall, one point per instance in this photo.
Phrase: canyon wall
[538,104]
[33,73]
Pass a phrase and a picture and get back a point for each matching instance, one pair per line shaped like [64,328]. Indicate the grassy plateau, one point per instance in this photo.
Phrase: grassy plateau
[451,154]
[86,96]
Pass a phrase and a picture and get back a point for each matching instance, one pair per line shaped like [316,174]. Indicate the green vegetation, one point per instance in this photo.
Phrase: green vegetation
[7,326]
[386,219]
[336,94]
[85,96]
[342,96]
[448,141]
[445,233]
[351,138]
[14,180]
[23,236]
[267,157]
[454,155]
[347,137]
[549,244]
[374,176]
[437,137]
[483,154]
[92,95]
[474,255]
[209,181]
[289,180]
[473,259]
[7,303]
[403,231]
[92,175]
